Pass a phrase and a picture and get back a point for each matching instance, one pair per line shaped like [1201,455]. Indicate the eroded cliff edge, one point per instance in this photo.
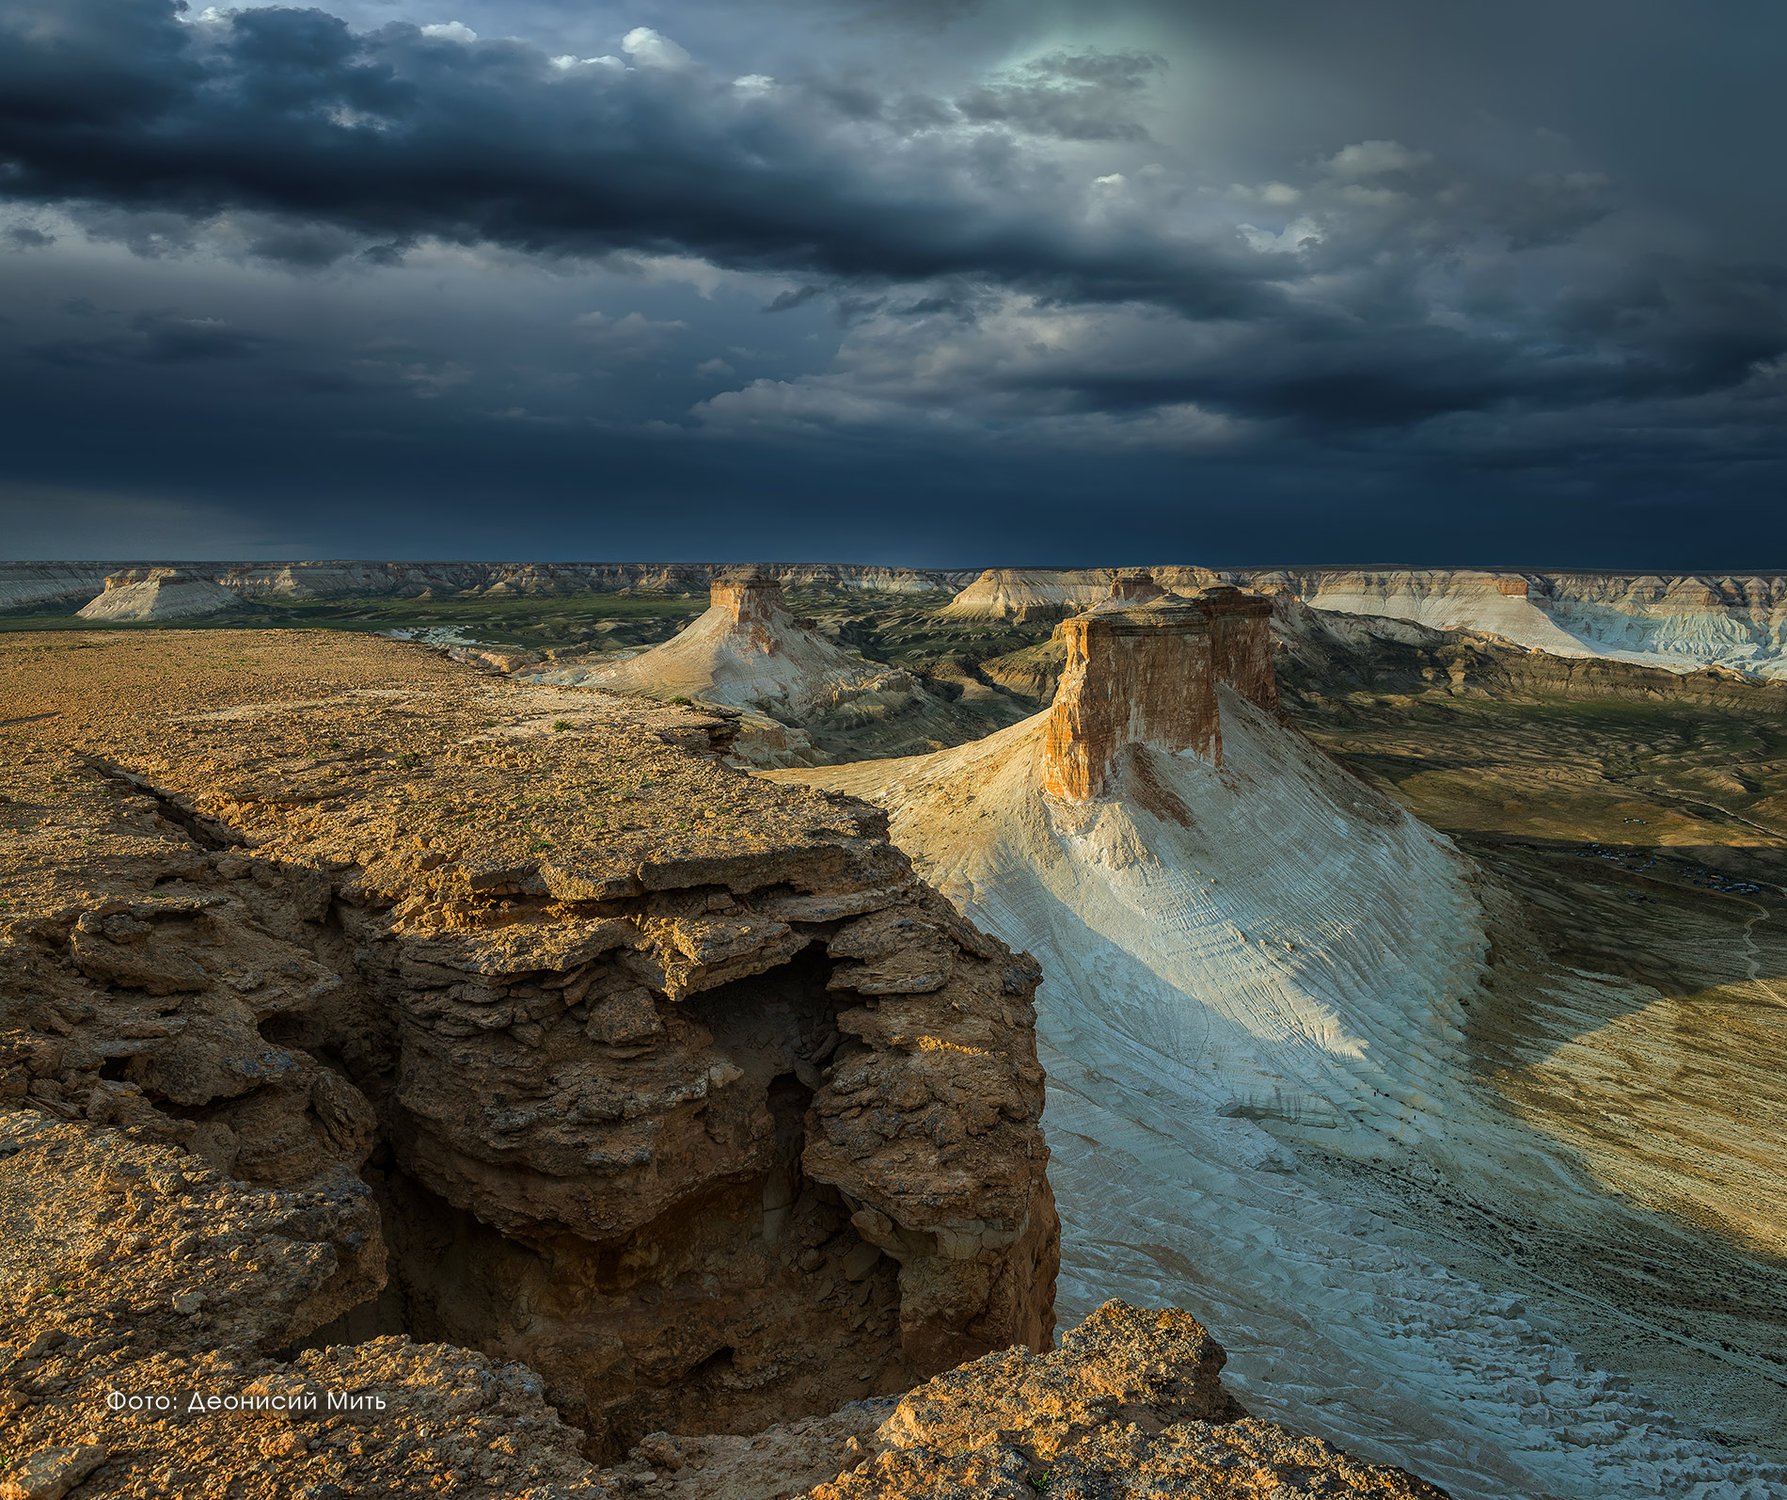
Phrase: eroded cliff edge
[615,1122]
[560,1039]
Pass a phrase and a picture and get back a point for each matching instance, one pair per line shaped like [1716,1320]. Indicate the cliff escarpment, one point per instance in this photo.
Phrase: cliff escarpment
[363,998]
[1676,621]
[35,585]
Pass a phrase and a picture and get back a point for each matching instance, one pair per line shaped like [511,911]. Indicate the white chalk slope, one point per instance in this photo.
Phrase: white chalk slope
[1255,976]
[1651,621]
[779,667]
[1452,601]
[160,596]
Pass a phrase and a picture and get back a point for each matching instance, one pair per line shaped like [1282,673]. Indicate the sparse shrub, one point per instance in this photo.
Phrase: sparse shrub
[561,725]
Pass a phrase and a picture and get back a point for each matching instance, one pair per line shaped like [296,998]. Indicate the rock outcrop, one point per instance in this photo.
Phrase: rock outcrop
[157,594]
[416,1085]
[1260,979]
[1049,594]
[527,1024]
[1142,668]
[803,696]
[1130,1407]
[748,651]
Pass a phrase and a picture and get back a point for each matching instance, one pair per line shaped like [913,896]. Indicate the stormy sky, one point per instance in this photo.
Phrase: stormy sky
[924,281]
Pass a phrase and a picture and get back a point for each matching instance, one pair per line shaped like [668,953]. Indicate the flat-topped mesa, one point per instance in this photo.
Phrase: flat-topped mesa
[1135,588]
[747,594]
[1241,642]
[157,594]
[1142,669]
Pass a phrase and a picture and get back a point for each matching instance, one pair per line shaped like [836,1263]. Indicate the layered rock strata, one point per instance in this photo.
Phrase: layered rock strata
[27,584]
[533,1027]
[157,594]
[1142,667]
[1049,594]
[1680,621]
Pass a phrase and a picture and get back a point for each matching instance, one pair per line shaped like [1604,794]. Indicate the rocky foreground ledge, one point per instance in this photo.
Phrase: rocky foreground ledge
[432,1086]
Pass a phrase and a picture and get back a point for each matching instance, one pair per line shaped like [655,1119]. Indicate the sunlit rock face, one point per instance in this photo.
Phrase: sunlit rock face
[1678,621]
[753,601]
[1265,988]
[1142,669]
[1140,674]
[505,1017]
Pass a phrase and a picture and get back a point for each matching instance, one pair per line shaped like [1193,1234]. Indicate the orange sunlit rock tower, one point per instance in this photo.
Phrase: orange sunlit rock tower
[1143,668]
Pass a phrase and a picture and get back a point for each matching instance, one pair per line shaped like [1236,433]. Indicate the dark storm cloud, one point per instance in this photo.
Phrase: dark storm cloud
[348,142]
[1475,271]
[1671,331]
[157,339]
[395,133]
[1073,96]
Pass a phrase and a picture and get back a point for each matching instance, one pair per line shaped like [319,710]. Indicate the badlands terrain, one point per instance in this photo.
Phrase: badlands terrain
[1383,966]
[1304,1052]
[484,1089]
[1676,621]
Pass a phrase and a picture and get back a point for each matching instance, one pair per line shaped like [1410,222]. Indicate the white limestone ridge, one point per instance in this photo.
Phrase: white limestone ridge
[1678,621]
[25,585]
[1256,973]
[158,594]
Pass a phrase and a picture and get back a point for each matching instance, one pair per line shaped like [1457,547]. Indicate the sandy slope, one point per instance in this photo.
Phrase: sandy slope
[1256,982]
